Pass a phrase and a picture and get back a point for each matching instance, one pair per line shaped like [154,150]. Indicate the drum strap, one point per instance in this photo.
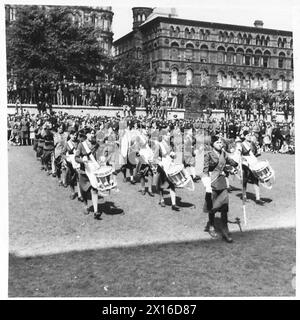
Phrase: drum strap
[71,146]
[218,169]
[88,151]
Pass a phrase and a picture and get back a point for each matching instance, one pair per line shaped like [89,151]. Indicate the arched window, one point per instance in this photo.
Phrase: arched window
[230,80]
[189,51]
[221,55]
[189,77]
[245,38]
[230,55]
[204,53]
[231,37]
[283,43]
[174,76]
[266,58]
[201,34]
[249,39]
[257,57]
[204,78]
[262,40]
[207,34]
[279,42]
[281,60]
[177,31]
[172,31]
[221,37]
[192,33]
[267,41]
[239,56]
[174,50]
[248,79]
[143,17]
[281,84]
[257,40]
[291,43]
[186,32]
[239,39]
[221,79]
[257,81]
[226,37]
[266,83]
[239,80]
[248,57]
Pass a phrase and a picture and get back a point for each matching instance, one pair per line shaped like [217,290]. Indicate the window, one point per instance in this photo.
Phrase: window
[12,14]
[291,43]
[266,58]
[257,40]
[249,39]
[221,55]
[239,56]
[247,60]
[230,55]
[174,76]
[292,62]
[189,51]
[257,58]
[221,79]
[174,50]
[204,53]
[189,77]
[281,60]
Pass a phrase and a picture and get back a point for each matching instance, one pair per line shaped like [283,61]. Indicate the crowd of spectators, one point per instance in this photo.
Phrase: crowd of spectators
[75,93]
[270,135]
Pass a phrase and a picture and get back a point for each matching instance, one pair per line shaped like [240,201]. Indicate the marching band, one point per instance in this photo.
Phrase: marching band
[87,156]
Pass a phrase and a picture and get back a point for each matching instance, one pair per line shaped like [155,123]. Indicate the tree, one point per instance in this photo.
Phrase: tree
[44,44]
[134,72]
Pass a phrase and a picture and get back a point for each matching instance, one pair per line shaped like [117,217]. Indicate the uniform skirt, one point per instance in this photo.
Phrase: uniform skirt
[248,176]
[218,201]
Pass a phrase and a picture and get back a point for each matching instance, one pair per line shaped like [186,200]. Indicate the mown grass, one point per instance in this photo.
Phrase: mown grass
[258,264]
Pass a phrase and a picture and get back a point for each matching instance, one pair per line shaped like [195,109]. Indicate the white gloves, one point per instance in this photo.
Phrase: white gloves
[207,184]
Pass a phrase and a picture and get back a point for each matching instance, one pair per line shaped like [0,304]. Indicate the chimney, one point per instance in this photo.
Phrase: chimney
[258,24]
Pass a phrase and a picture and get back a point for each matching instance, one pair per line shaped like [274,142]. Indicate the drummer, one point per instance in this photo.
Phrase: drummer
[144,168]
[72,178]
[165,154]
[249,153]
[85,151]
[216,197]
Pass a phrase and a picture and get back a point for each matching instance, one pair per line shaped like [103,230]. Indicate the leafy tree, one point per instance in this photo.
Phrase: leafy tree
[134,72]
[44,43]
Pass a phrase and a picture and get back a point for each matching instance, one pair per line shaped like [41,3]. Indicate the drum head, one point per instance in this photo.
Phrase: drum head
[174,169]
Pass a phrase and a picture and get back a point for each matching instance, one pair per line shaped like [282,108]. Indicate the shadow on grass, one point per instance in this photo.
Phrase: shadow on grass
[251,196]
[258,263]
[179,203]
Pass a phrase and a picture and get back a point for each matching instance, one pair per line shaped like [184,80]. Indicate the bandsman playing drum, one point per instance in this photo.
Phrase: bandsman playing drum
[84,153]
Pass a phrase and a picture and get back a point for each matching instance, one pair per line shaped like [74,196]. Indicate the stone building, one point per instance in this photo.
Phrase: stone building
[183,52]
[100,17]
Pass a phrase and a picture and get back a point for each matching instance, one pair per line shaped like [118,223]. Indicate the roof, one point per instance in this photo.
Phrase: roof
[215,25]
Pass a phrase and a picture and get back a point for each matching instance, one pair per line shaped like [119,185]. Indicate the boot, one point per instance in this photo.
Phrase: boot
[224,229]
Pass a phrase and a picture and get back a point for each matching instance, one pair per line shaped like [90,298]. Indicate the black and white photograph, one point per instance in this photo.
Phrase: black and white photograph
[149,149]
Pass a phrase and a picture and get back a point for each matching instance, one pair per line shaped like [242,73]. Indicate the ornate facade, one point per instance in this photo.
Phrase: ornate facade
[100,17]
[183,52]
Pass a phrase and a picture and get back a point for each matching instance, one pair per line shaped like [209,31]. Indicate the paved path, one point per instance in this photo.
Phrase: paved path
[43,220]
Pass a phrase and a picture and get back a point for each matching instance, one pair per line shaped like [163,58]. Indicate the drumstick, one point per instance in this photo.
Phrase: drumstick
[243,198]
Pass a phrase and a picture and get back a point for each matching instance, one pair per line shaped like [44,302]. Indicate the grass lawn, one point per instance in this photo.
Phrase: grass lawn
[56,251]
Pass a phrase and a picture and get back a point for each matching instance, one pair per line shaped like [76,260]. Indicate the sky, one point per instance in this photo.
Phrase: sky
[275,14]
